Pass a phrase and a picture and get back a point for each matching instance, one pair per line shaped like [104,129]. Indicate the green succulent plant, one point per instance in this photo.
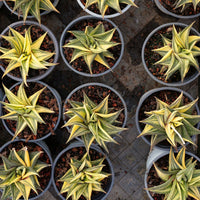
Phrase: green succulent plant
[25,54]
[181,179]
[92,122]
[92,44]
[103,5]
[179,53]
[19,172]
[33,7]
[174,123]
[24,110]
[83,177]
[185,3]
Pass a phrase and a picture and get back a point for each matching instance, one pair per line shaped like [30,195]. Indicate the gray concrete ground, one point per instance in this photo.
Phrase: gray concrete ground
[129,78]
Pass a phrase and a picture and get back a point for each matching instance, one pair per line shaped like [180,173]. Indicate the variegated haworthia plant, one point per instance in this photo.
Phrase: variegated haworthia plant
[19,172]
[93,122]
[92,44]
[185,3]
[83,177]
[174,123]
[33,7]
[181,179]
[103,5]
[24,110]
[25,54]
[179,53]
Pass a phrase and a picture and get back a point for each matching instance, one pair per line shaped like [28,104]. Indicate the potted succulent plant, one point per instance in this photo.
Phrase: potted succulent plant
[31,113]
[173,176]
[94,112]
[32,8]
[106,9]
[91,46]
[184,9]
[27,49]
[167,117]
[25,170]
[170,53]
[77,174]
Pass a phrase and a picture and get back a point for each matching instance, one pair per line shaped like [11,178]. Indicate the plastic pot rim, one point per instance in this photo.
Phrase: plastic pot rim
[164,153]
[47,151]
[55,43]
[173,84]
[164,10]
[145,96]
[55,3]
[80,144]
[58,100]
[62,42]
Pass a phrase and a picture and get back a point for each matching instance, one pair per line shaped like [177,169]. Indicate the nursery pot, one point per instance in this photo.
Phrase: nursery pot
[173,84]
[148,95]
[57,110]
[51,36]
[46,151]
[55,3]
[87,85]
[105,16]
[154,156]
[166,11]
[70,27]
[101,196]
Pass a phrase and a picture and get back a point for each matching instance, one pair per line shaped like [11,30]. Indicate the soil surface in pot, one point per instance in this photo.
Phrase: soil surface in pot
[45,174]
[97,94]
[46,99]
[62,166]
[79,64]
[154,180]
[168,96]
[109,11]
[152,57]
[36,32]
[189,10]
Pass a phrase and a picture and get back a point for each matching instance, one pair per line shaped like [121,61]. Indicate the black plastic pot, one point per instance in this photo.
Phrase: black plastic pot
[146,96]
[58,99]
[80,144]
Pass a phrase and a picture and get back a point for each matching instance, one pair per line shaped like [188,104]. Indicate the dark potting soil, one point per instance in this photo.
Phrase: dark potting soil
[154,180]
[97,94]
[79,64]
[45,174]
[62,166]
[152,57]
[168,96]
[109,11]
[36,32]
[169,5]
[46,99]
